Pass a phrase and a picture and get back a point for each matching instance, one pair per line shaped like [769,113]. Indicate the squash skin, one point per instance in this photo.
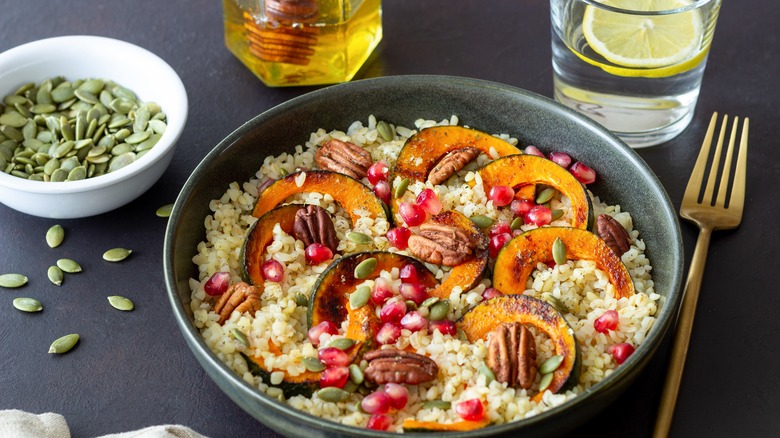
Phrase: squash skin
[303,384]
[412,425]
[346,191]
[528,169]
[518,259]
[259,236]
[478,322]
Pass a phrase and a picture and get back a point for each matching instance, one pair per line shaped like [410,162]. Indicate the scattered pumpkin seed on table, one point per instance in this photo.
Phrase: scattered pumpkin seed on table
[55,235]
[116,254]
[68,265]
[64,344]
[12,280]
[29,305]
[55,275]
[121,303]
[164,211]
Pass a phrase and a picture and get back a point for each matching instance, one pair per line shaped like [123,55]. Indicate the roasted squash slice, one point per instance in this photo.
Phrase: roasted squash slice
[518,259]
[523,170]
[412,425]
[347,192]
[478,322]
[259,236]
[330,298]
[303,384]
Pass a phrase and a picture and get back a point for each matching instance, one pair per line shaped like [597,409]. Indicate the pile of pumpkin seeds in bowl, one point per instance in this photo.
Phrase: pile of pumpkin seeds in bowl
[62,130]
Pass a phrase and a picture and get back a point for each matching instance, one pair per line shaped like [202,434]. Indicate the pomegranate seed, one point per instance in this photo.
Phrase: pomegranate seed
[317,253]
[560,158]
[428,200]
[413,291]
[533,150]
[412,214]
[408,274]
[500,228]
[498,242]
[377,172]
[501,195]
[332,356]
[381,291]
[379,422]
[583,173]
[382,191]
[217,284]
[399,237]
[607,321]
[414,321]
[491,293]
[470,410]
[521,207]
[315,332]
[539,216]
[392,311]
[398,395]
[272,270]
[376,403]
[388,333]
[621,351]
[334,376]
[444,326]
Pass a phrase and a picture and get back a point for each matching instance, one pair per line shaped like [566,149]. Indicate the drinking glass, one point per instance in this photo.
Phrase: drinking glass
[634,66]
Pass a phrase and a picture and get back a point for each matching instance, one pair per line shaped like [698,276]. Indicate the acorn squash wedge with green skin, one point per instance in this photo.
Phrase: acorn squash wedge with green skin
[412,425]
[525,169]
[303,384]
[329,300]
[520,256]
[348,192]
[478,322]
[259,236]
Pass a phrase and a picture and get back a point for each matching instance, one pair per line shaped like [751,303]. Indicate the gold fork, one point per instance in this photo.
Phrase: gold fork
[708,214]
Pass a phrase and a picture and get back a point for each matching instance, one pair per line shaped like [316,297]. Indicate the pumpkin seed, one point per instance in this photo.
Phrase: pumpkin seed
[64,344]
[69,266]
[559,251]
[410,305]
[462,335]
[516,223]
[359,238]
[365,268]
[55,235]
[301,300]
[487,372]
[544,383]
[13,118]
[351,387]
[30,305]
[356,375]
[55,275]
[12,280]
[332,394]
[559,305]
[121,303]
[239,336]
[116,254]
[384,130]
[360,297]
[437,404]
[551,364]
[556,214]
[312,364]
[401,188]
[342,343]
[429,302]
[482,221]
[545,195]
[439,310]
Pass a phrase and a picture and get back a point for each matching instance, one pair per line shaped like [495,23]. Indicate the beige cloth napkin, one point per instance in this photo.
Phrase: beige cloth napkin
[20,424]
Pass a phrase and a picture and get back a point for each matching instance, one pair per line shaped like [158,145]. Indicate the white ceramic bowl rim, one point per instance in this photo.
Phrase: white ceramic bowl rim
[24,56]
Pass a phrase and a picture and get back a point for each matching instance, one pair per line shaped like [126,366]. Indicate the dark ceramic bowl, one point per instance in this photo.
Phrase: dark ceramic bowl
[623,179]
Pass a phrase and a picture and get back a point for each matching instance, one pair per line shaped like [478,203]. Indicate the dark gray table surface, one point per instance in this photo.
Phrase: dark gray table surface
[133,370]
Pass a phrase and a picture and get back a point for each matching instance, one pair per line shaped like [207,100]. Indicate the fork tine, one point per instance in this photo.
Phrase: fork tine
[737,200]
[724,179]
[713,175]
[697,174]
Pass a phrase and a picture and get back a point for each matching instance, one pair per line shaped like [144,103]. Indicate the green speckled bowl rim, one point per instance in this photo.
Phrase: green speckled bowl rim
[484,105]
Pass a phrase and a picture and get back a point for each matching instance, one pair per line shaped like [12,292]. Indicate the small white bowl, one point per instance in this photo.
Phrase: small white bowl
[82,57]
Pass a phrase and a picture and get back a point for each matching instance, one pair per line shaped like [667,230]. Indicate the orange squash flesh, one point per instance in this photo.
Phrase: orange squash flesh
[347,192]
[520,170]
[259,236]
[519,258]
[412,425]
[303,384]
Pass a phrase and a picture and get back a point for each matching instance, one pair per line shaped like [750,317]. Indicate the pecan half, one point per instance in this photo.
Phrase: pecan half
[443,244]
[314,225]
[240,297]
[615,236]
[398,366]
[451,163]
[512,354]
[343,157]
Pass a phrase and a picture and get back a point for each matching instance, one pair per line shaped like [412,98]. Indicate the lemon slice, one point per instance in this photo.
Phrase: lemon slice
[643,41]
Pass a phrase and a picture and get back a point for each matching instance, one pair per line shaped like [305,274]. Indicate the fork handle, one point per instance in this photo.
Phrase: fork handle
[682,335]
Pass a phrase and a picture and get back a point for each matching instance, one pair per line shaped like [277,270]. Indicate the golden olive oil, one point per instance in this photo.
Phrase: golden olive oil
[302,42]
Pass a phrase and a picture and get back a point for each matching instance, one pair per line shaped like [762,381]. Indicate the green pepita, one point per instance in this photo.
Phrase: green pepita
[55,275]
[342,343]
[556,214]
[365,268]
[30,305]
[64,344]
[487,372]
[12,280]
[239,336]
[545,195]
[401,188]
[312,364]
[121,303]
[55,235]
[437,404]
[351,387]
[410,305]
[356,375]
[359,238]
[116,254]
[429,302]
[516,223]
[439,311]
[360,297]
[551,364]
[482,221]
[559,305]
[385,131]
[301,300]
[545,382]
[559,251]
[68,265]
[332,394]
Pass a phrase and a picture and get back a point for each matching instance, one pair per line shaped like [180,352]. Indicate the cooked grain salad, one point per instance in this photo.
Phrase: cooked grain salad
[436,278]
